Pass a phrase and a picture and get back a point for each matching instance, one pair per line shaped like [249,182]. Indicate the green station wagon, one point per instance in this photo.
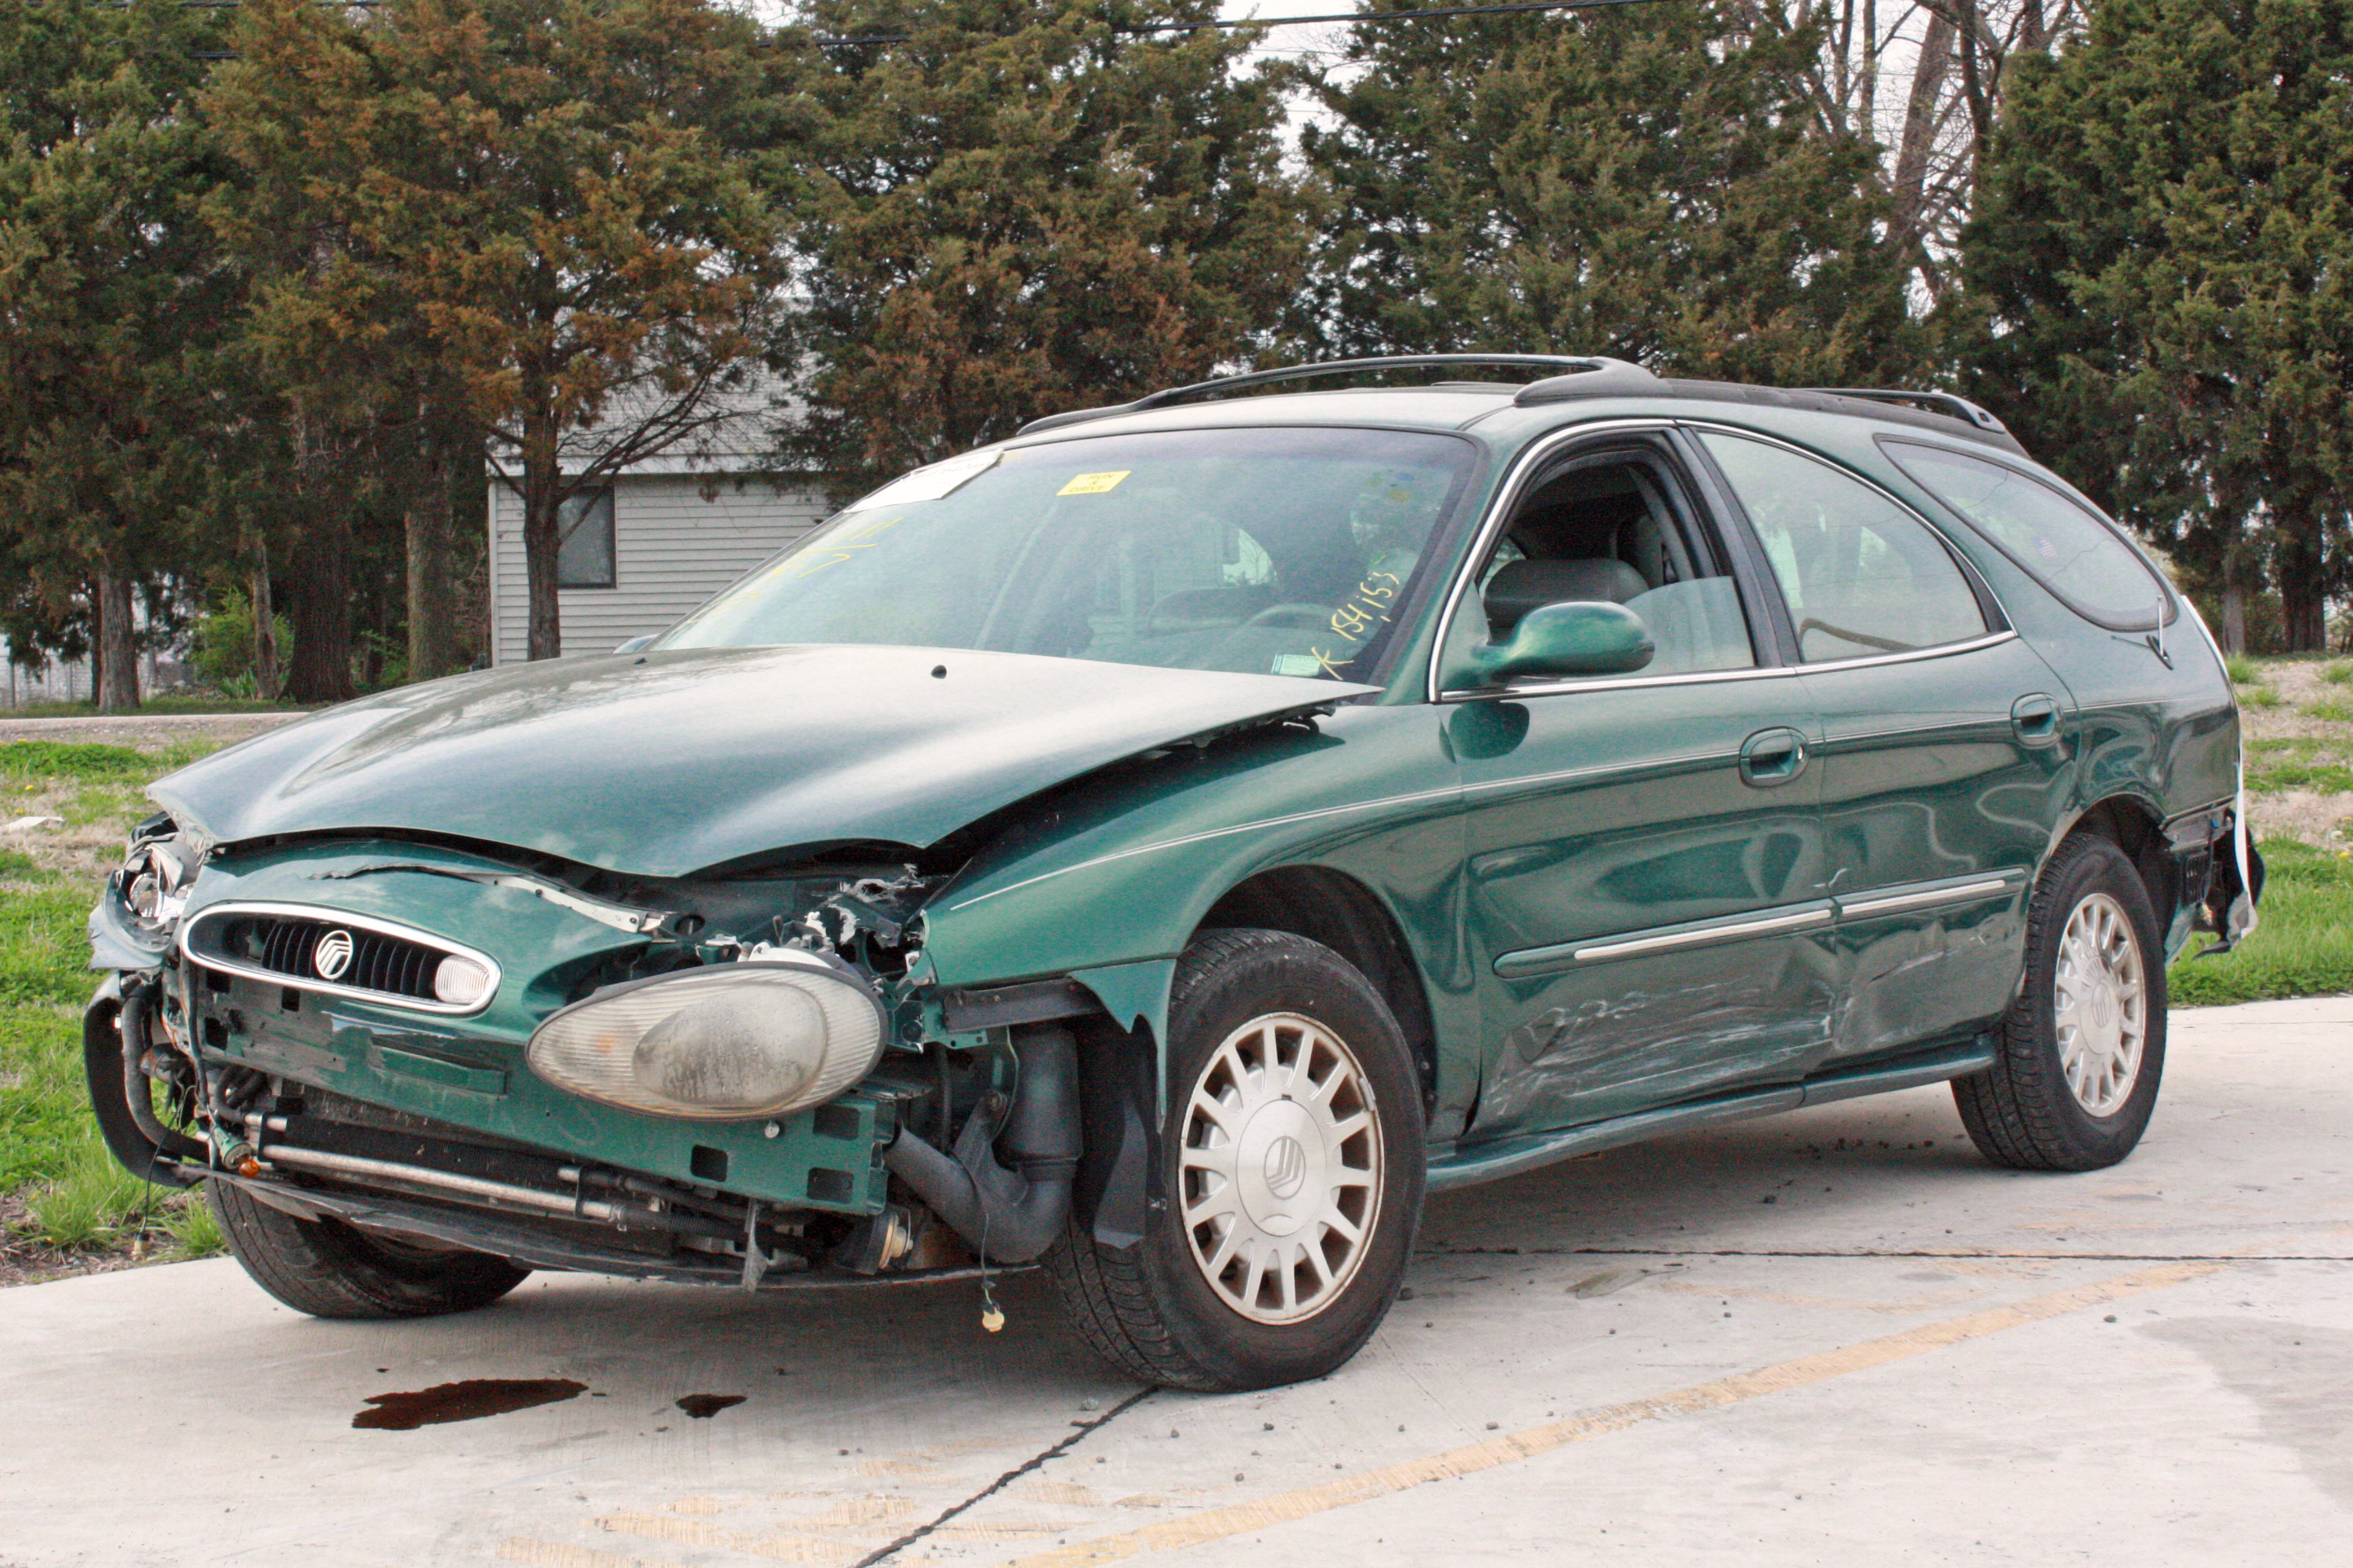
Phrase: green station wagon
[1167,844]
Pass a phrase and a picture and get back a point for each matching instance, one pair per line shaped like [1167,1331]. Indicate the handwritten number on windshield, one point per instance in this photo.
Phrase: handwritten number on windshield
[1366,610]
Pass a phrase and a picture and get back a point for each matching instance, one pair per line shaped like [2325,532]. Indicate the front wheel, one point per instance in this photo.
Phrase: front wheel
[328,1270]
[2084,1046]
[1289,1186]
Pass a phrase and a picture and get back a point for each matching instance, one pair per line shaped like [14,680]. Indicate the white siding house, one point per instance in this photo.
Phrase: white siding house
[669,549]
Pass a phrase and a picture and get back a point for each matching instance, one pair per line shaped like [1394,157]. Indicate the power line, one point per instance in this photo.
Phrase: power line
[1355,19]
[1145,29]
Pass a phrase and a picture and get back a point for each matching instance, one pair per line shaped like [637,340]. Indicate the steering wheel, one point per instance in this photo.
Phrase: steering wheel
[1290,619]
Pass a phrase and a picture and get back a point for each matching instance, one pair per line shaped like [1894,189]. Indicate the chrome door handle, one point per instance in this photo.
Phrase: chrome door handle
[1772,757]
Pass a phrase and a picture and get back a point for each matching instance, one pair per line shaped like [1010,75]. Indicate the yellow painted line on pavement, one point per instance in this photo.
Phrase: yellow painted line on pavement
[1283,1507]
[554,1555]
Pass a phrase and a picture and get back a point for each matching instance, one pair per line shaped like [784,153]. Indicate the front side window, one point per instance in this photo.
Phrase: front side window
[1861,575]
[2077,555]
[1616,527]
[1271,552]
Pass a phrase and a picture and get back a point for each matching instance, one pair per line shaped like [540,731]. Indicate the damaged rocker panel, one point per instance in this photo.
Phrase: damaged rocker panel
[1510,1157]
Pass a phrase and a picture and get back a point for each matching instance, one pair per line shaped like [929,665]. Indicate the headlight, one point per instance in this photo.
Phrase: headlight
[155,878]
[734,1040]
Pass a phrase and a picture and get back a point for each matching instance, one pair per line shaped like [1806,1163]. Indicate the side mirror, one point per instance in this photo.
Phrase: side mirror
[1580,636]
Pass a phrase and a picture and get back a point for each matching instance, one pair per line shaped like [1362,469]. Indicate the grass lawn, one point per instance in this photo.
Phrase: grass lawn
[2299,737]
[2304,946]
[167,704]
[60,1193]
[61,1197]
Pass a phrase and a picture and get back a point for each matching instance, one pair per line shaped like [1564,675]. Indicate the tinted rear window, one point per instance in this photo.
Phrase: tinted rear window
[2070,550]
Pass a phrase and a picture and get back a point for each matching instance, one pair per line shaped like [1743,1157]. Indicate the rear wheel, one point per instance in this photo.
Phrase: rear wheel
[1289,1183]
[328,1270]
[2084,1046]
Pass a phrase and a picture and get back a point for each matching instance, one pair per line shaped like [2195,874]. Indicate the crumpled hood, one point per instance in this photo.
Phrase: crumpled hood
[663,763]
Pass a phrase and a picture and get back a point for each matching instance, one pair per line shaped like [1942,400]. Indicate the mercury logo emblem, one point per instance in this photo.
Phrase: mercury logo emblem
[1286,1167]
[333,955]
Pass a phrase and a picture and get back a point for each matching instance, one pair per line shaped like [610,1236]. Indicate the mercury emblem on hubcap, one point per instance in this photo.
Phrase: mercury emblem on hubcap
[2100,1004]
[333,955]
[1286,1167]
[1280,1171]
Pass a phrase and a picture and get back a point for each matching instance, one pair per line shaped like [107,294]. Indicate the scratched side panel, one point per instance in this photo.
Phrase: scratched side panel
[1926,782]
[1616,813]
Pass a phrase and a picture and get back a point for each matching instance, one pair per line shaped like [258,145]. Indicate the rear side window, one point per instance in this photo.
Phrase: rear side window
[2073,552]
[1861,575]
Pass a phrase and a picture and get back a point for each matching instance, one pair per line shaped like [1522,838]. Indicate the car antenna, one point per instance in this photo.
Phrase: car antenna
[2157,633]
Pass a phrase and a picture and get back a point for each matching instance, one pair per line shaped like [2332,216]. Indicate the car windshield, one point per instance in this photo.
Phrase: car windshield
[1273,552]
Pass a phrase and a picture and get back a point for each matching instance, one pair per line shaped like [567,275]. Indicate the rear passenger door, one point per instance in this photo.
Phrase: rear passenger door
[1644,878]
[1942,767]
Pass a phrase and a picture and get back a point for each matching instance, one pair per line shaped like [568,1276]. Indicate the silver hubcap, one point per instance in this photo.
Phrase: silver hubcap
[2100,1002]
[1280,1177]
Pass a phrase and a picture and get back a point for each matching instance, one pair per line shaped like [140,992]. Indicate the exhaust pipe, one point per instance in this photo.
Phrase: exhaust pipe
[1007,1216]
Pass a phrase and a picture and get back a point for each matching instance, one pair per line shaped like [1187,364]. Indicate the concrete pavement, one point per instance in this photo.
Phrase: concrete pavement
[1836,1332]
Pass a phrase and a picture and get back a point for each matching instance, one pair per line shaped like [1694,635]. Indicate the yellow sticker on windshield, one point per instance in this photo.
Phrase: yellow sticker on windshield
[1094,484]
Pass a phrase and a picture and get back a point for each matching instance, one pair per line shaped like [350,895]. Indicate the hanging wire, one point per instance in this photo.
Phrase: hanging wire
[1355,19]
[1141,29]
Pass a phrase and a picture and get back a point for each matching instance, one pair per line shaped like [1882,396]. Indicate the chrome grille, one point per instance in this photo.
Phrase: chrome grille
[288,947]
[370,959]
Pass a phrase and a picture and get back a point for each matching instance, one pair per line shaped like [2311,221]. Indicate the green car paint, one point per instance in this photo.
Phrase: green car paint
[469,1072]
[1623,902]
[664,764]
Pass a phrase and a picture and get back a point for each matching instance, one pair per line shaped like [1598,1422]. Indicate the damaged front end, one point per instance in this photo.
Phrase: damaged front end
[741,1078]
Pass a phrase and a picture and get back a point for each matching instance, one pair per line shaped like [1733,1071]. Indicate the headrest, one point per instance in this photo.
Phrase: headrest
[1524,586]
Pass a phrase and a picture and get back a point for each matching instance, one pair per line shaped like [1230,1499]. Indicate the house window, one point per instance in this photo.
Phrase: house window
[583,541]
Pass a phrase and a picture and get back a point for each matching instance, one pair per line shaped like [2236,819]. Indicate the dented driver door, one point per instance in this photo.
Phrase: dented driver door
[1645,887]
[1645,894]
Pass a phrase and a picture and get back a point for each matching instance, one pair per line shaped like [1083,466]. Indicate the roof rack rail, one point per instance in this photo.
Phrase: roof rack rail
[1936,402]
[1575,364]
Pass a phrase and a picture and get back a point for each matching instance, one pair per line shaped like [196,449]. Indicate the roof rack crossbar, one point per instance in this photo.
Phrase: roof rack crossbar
[1351,366]
[1572,363]
[1937,402]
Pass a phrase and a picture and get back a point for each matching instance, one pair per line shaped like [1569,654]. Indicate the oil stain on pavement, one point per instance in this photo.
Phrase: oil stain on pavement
[469,1400]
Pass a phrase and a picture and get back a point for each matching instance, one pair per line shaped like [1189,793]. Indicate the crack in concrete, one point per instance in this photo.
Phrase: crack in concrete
[1035,1462]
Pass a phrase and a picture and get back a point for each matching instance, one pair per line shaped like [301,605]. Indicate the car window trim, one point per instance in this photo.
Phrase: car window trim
[1625,682]
[1990,604]
[1749,560]
[1509,494]
[2166,593]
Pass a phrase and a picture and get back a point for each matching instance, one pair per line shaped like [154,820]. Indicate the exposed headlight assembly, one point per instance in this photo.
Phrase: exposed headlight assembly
[156,875]
[761,1037]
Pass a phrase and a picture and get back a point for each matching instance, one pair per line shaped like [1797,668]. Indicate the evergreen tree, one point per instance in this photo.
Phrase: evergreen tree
[1648,183]
[2162,276]
[110,295]
[520,214]
[1021,210]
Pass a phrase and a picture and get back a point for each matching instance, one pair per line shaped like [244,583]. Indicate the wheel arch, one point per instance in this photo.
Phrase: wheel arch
[1342,913]
[2133,827]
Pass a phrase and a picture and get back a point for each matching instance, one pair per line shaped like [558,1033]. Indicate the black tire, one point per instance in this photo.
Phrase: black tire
[1154,1309]
[328,1270]
[2021,1111]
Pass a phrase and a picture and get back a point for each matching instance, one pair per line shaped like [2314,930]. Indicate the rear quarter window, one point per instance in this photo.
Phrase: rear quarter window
[2071,551]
